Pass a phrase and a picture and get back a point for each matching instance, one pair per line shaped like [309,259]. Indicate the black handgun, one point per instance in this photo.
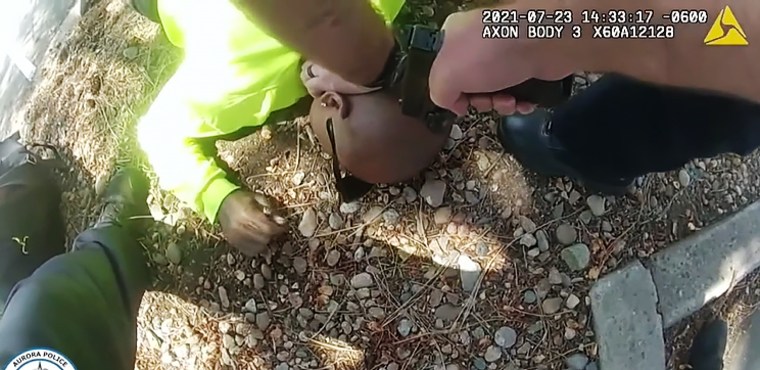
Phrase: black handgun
[420,46]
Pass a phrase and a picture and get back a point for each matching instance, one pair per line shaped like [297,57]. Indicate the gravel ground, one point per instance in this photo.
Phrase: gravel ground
[475,264]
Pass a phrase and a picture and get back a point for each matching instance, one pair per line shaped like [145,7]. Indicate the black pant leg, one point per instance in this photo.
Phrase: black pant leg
[620,127]
[31,224]
[82,304]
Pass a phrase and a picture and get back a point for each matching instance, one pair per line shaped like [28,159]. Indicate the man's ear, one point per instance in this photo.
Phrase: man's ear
[336,101]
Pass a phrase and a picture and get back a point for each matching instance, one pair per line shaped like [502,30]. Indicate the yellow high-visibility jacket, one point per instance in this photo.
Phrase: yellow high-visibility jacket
[233,76]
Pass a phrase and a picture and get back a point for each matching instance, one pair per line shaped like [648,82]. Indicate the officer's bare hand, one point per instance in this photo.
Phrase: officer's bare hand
[319,80]
[468,67]
[248,223]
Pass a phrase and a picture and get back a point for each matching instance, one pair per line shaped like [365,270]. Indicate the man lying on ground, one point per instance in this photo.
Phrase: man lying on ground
[233,79]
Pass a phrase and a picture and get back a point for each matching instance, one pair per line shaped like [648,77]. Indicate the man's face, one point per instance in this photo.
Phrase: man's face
[374,140]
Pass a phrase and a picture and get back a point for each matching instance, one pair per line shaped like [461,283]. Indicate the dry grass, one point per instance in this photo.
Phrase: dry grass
[102,80]
[91,92]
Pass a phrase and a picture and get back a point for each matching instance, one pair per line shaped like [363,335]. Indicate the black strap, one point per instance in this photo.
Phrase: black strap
[349,187]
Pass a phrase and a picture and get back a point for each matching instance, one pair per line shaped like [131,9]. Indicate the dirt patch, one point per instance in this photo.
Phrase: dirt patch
[392,282]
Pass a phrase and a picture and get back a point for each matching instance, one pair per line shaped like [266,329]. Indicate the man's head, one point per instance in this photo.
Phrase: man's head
[374,140]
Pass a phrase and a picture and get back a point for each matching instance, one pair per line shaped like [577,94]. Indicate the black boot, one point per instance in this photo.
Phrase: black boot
[529,139]
[126,201]
[706,352]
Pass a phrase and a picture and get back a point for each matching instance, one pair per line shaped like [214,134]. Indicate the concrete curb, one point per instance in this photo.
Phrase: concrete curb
[633,305]
[626,322]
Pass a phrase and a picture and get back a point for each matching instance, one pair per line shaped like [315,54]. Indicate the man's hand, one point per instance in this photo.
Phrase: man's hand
[247,222]
[468,68]
[318,80]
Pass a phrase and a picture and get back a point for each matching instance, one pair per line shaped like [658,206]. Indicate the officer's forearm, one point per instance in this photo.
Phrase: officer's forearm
[345,36]
[684,60]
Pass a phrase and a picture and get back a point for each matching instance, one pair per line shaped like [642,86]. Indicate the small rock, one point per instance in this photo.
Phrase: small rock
[333,257]
[469,273]
[160,259]
[505,337]
[574,197]
[262,321]
[240,275]
[555,278]
[130,53]
[528,240]
[572,301]
[535,328]
[306,313]
[442,215]
[409,194]
[308,224]
[335,221]
[242,329]
[376,312]
[577,257]
[359,254]
[258,281]
[282,366]
[684,178]
[174,254]
[482,249]
[228,341]
[483,162]
[566,234]
[372,214]
[447,312]
[585,217]
[456,132]
[362,280]
[506,213]
[479,363]
[405,327]
[433,191]
[436,297]
[223,298]
[533,253]
[527,224]
[250,305]
[558,210]
[300,265]
[391,217]
[492,354]
[596,205]
[478,333]
[377,252]
[349,208]
[570,333]
[266,271]
[592,366]
[224,327]
[471,197]
[524,349]
[298,178]
[529,297]
[542,240]
[577,361]
[551,305]
[542,288]
[606,226]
